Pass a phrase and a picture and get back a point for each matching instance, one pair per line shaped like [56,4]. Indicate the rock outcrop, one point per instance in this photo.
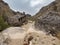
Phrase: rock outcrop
[20,36]
[17,20]
[54,6]
[48,18]
[49,23]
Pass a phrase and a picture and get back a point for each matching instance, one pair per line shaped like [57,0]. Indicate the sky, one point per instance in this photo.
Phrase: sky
[28,6]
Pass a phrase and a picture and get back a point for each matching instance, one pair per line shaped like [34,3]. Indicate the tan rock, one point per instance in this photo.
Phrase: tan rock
[19,36]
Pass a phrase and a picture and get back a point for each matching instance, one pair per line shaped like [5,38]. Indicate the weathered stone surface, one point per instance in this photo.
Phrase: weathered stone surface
[20,36]
[1,39]
[48,18]
[17,20]
[13,36]
[49,22]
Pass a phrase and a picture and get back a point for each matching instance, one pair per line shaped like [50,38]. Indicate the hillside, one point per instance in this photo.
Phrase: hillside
[48,19]
[10,17]
[54,6]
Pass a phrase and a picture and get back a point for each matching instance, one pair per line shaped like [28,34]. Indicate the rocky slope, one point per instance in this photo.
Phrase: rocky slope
[48,19]
[54,6]
[10,17]
[49,23]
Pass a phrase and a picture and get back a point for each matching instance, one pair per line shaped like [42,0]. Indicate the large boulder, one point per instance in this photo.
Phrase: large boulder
[16,20]
[20,36]
[13,36]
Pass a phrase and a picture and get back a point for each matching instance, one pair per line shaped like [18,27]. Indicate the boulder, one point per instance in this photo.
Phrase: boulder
[20,36]
[16,20]
[13,36]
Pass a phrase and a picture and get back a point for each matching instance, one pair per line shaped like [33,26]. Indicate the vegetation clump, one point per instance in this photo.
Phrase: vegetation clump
[3,24]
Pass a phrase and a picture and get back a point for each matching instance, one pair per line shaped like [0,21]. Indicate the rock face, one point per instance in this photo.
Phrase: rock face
[48,18]
[19,36]
[49,23]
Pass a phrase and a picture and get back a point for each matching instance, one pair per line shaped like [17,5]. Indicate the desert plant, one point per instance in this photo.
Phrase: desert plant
[3,25]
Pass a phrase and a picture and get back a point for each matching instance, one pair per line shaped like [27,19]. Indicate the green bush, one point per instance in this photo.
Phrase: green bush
[3,25]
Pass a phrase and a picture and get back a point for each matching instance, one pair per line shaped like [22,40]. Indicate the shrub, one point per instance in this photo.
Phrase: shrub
[3,25]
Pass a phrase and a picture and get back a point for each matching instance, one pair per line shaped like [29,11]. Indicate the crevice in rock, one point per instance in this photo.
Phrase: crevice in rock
[28,40]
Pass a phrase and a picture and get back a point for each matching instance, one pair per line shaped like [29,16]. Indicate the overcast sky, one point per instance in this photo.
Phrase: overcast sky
[28,6]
